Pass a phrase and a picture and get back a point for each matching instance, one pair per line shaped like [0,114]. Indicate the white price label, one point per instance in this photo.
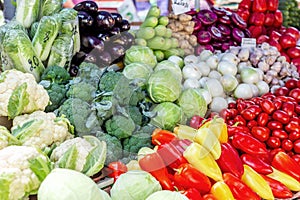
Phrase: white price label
[248,42]
[181,6]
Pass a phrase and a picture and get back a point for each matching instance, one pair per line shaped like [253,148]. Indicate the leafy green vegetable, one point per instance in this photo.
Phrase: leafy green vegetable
[56,74]
[33,29]
[6,138]
[164,85]
[139,71]
[134,185]
[167,195]
[89,73]
[140,54]
[27,11]
[120,126]
[83,91]
[109,80]
[166,64]
[50,7]
[18,100]
[45,35]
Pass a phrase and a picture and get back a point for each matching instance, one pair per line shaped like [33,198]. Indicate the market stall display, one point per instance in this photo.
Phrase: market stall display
[182,106]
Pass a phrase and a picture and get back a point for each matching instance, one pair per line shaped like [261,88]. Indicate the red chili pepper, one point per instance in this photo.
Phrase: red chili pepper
[162,136]
[248,144]
[278,18]
[155,165]
[188,176]
[230,161]
[286,164]
[232,130]
[257,19]
[278,189]
[267,106]
[262,119]
[259,5]
[246,4]
[272,5]
[171,156]
[192,194]
[239,189]
[269,19]
[116,169]
[257,164]
[260,133]
[196,121]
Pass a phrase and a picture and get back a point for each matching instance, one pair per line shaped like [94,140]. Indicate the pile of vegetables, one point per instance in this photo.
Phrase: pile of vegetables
[218,29]
[154,34]
[290,12]
[182,27]
[104,36]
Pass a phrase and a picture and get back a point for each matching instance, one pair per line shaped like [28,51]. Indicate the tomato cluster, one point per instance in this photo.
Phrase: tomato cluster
[271,118]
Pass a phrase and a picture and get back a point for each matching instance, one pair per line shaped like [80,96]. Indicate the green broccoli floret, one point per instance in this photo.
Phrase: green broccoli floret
[114,147]
[83,91]
[56,74]
[81,116]
[89,73]
[104,107]
[109,80]
[120,126]
[139,139]
[57,94]
[135,115]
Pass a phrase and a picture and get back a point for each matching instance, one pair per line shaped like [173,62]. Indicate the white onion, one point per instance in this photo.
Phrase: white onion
[263,87]
[204,68]
[204,55]
[214,87]
[212,62]
[191,71]
[230,57]
[229,82]
[249,75]
[191,83]
[191,59]
[214,74]
[255,90]
[217,104]
[225,67]
[244,91]
[203,80]
[207,96]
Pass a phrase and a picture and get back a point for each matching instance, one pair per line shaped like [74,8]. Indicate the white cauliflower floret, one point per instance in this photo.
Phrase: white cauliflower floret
[82,146]
[41,129]
[6,138]
[16,169]
[38,97]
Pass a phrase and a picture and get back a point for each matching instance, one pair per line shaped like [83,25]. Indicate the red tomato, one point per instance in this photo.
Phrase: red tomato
[273,125]
[281,116]
[262,38]
[276,44]
[260,133]
[279,133]
[277,104]
[248,114]
[287,41]
[292,83]
[262,119]
[287,145]
[293,31]
[231,105]
[297,109]
[295,93]
[293,52]
[273,142]
[275,35]
[251,124]
[297,146]
[294,135]
[267,106]
[282,91]
[240,120]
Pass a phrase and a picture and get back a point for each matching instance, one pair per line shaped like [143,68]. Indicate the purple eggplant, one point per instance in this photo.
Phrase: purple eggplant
[104,59]
[117,17]
[237,35]
[73,70]
[207,17]
[89,7]
[116,51]
[125,25]
[203,37]
[103,36]
[91,42]
[104,20]
[238,21]
[86,21]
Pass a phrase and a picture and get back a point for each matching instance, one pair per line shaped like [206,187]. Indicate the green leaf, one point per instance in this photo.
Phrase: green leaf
[95,159]
[69,159]
[27,130]
[5,181]
[40,167]
[65,120]
[18,100]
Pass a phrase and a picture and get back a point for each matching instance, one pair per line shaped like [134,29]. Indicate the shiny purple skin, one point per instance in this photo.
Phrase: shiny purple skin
[117,17]
[116,51]
[104,59]
[91,42]
[224,29]
[104,37]
[238,21]
[104,20]
[197,25]
[192,12]
[237,35]
[225,46]
[125,25]
[85,20]
[215,32]
[89,7]
[225,20]
[207,17]
[219,11]
[203,37]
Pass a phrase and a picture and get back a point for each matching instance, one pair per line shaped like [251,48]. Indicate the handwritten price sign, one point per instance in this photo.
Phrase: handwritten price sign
[181,6]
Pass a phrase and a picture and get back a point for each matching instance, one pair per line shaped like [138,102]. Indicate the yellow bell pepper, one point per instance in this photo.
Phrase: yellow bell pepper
[221,191]
[218,126]
[201,159]
[285,179]
[257,183]
[203,136]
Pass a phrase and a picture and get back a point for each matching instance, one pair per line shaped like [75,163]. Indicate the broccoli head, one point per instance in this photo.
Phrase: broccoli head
[89,73]
[83,91]
[120,126]
[57,94]
[104,107]
[109,80]
[56,74]
[135,115]
[114,147]
[81,116]
[139,139]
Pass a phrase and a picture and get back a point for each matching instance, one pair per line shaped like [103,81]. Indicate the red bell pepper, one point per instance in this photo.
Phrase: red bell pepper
[230,161]
[188,176]
[257,18]
[192,194]
[239,189]
[279,190]
[249,144]
[278,18]
[286,164]
[243,13]
[162,136]
[116,169]
[245,4]
[272,5]
[209,197]
[255,31]
[259,5]
[171,156]
[155,165]
[196,121]
[257,164]
[181,144]
[269,19]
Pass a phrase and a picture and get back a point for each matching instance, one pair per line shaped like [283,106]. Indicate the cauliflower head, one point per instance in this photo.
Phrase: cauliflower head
[20,93]
[6,138]
[22,169]
[41,129]
[85,154]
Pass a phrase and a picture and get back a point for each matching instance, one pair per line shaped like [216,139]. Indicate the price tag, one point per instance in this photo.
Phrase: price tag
[181,6]
[248,42]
